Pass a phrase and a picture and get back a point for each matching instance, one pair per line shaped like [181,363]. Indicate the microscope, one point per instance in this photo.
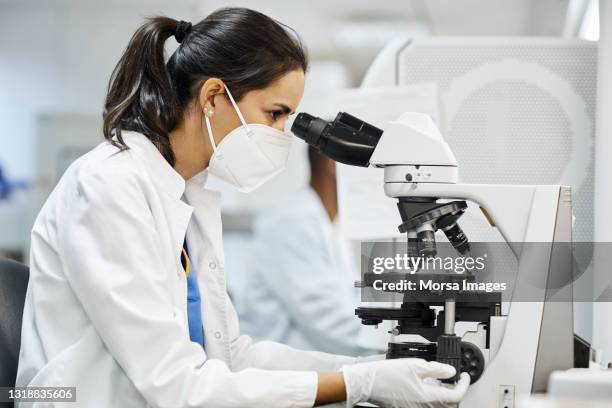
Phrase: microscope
[508,354]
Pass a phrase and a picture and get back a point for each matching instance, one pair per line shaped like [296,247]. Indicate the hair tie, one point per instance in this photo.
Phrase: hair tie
[182,29]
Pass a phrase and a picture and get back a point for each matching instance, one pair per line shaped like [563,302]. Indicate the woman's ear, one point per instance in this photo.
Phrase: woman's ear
[208,90]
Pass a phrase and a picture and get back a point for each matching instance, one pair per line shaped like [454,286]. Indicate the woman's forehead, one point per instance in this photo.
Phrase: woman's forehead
[286,90]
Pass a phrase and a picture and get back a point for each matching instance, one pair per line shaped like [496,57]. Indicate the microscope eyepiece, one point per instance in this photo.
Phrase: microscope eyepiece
[346,139]
[309,128]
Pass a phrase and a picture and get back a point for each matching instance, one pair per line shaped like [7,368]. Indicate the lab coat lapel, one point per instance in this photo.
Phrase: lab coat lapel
[170,185]
[206,232]
[179,214]
[207,215]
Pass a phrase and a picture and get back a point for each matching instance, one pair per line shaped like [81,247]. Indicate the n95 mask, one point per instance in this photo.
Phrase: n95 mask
[249,155]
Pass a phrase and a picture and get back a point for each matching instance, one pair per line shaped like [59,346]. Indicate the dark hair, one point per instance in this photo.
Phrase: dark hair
[246,49]
[316,160]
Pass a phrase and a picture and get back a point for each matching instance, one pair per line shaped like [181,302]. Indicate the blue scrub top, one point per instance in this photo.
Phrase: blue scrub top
[194,302]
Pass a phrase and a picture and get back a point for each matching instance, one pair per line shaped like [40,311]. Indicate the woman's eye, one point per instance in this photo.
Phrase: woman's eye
[276,114]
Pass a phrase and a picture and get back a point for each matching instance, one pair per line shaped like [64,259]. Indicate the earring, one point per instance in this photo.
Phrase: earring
[208,112]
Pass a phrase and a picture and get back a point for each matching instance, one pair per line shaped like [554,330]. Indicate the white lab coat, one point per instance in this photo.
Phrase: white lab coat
[105,310]
[300,283]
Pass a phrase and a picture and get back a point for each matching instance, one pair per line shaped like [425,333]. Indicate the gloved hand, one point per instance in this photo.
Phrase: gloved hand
[404,382]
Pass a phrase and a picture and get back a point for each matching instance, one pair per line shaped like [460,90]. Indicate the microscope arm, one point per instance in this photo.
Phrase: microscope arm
[511,208]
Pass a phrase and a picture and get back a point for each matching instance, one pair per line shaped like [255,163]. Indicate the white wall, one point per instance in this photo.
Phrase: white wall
[58,60]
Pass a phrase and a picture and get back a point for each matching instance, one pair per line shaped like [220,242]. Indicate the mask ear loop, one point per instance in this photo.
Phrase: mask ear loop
[235,105]
[211,138]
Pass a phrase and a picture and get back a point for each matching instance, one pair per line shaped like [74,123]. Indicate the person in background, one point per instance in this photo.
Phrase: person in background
[301,287]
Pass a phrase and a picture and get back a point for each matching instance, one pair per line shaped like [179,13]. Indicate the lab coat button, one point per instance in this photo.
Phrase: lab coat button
[217,335]
[212,265]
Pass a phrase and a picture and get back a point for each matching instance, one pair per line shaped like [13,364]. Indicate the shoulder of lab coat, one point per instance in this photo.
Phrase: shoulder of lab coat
[116,257]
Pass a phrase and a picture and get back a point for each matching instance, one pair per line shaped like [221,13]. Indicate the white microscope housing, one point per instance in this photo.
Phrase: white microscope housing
[535,337]
[412,150]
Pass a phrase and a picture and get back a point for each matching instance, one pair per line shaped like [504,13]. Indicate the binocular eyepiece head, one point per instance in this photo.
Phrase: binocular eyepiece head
[346,139]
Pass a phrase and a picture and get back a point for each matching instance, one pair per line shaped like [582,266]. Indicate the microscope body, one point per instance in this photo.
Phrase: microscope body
[536,336]
[520,350]
[514,353]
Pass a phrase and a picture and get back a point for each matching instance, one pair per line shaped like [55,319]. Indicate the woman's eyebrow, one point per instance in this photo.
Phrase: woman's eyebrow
[285,108]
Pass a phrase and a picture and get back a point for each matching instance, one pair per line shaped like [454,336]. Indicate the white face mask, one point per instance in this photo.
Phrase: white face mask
[249,155]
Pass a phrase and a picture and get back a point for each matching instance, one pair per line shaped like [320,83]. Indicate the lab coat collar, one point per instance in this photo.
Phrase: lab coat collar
[163,174]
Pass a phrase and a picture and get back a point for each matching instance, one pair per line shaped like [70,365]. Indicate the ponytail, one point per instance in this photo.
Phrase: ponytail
[246,49]
[140,95]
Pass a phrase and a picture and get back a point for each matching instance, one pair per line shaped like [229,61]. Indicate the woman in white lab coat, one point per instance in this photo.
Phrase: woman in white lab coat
[126,299]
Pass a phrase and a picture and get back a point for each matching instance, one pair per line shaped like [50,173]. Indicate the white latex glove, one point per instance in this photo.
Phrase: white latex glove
[403,382]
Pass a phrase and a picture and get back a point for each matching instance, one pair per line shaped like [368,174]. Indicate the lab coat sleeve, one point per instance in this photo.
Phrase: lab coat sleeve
[110,252]
[270,355]
[312,301]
